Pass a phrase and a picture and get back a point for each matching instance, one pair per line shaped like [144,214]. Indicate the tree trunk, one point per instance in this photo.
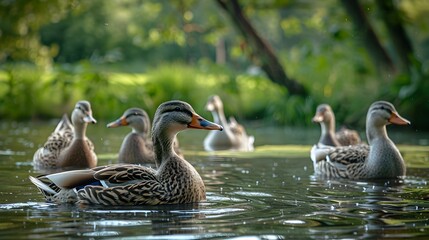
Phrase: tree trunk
[378,54]
[261,51]
[393,22]
[220,51]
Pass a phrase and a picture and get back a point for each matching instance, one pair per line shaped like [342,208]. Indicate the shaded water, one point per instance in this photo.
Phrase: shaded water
[267,194]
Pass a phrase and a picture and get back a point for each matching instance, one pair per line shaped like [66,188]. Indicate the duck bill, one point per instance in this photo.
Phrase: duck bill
[395,118]
[200,123]
[317,118]
[120,122]
[89,119]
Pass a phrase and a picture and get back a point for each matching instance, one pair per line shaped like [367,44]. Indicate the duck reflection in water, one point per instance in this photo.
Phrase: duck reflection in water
[366,204]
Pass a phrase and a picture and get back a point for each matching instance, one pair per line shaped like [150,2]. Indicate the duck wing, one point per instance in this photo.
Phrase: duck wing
[58,141]
[125,185]
[59,187]
[64,124]
[125,173]
[245,141]
[61,138]
[348,154]
[236,128]
[344,162]
[105,185]
[91,148]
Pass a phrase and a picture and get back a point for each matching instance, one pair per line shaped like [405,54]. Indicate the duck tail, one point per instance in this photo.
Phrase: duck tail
[251,141]
[64,124]
[47,188]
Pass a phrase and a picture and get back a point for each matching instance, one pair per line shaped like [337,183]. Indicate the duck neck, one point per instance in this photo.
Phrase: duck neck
[328,133]
[80,130]
[384,159]
[376,133]
[328,128]
[141,132]
[219,116]
[163,146]
[141,127]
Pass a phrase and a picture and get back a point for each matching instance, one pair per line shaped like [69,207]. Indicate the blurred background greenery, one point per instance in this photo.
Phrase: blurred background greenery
[124,53]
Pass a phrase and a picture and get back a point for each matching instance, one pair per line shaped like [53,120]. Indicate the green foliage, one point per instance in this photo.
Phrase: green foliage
[19,89]
[19,25]
[52,93]
[29,92]
[111,31]
[123,53]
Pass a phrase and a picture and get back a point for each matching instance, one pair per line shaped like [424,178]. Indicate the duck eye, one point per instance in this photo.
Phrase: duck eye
[177,109]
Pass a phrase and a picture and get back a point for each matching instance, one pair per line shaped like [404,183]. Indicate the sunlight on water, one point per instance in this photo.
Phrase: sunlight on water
[253,194]
[101,234]
[110,223]
[11,153]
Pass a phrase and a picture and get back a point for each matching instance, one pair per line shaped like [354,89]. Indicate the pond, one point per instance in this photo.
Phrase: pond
[266,194]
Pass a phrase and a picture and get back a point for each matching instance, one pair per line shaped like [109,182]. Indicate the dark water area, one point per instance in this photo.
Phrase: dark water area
[267,194]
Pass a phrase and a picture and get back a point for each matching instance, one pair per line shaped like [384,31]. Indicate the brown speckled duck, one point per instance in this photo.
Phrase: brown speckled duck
[137,147]
[233,137]
[345,137]
[68,146]
[175,181]
[380,160]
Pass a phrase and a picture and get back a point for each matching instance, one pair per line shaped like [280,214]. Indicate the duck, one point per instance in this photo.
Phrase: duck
[233,137]
[137,147]
[175,181]
[326,117]
[68,147]
[380,159]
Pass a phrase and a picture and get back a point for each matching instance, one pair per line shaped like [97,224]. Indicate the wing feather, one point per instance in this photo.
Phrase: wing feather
[343,162]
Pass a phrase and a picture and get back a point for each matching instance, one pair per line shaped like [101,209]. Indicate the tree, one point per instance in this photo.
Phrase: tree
[375,49]
[20,22]
[392,20]
[261,51]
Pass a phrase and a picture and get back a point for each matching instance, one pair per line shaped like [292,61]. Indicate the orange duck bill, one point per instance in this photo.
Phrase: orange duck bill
[120,122]
[395,118]
[200,123]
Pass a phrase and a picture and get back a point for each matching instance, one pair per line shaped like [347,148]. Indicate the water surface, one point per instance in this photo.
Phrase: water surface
[267,194]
